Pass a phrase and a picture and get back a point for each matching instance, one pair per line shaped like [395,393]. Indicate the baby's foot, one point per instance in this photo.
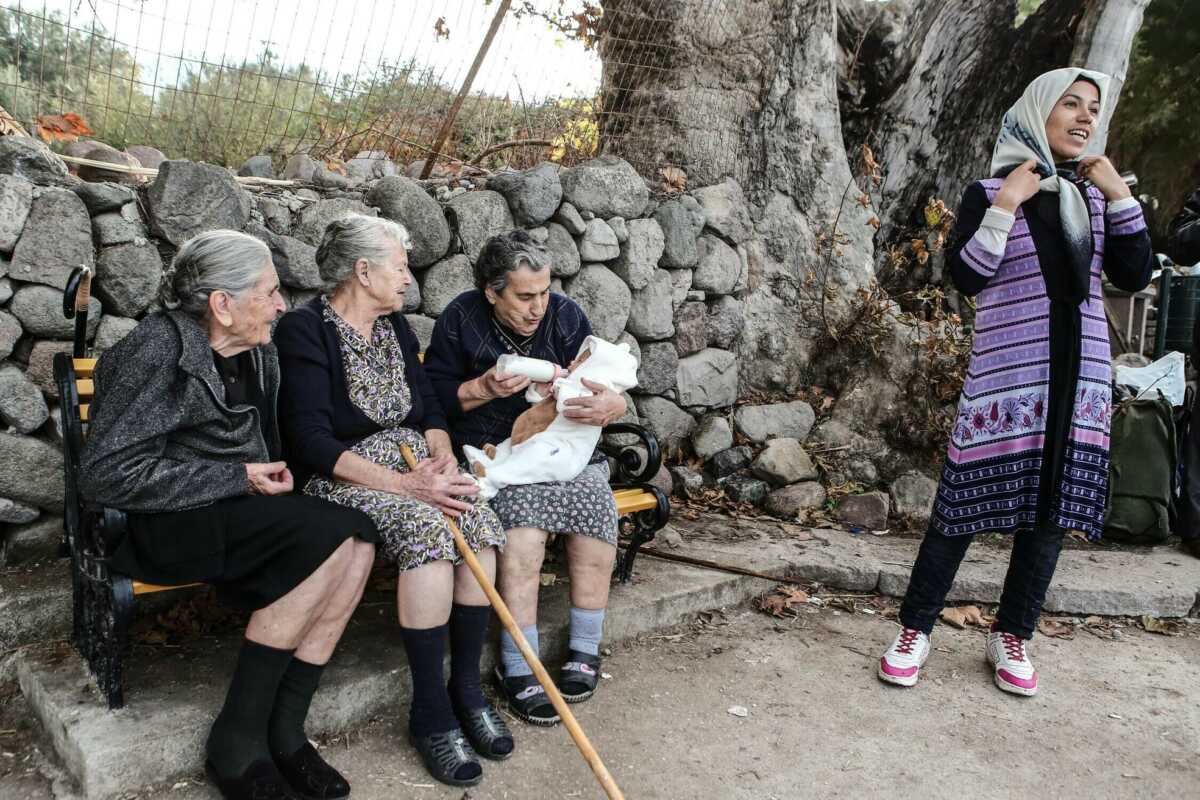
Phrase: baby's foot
[489,450]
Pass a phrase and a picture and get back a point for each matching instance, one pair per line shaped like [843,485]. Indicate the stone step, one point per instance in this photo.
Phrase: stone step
[172,693]
[35,604]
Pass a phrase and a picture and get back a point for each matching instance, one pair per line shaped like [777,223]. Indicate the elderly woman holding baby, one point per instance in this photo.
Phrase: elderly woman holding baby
[353,395]
[512,311]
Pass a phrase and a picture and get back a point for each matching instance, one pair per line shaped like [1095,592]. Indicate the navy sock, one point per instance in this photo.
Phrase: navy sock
[238,736]
[468,628]
[430,711]
[286,729]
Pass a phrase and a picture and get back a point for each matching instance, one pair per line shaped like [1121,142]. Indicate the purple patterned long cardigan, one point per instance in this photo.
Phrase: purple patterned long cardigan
[991,474]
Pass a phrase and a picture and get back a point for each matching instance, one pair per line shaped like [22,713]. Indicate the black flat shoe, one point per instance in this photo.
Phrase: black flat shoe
[449,758]
[486,731]
[579,677]
[261,781]
[527,700]
[1191,546]
[311,777]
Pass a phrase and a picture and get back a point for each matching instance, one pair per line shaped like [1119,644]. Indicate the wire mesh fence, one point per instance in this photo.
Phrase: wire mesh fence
[223,80]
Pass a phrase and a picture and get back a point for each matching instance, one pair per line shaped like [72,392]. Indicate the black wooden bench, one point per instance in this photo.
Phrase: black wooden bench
[103,598]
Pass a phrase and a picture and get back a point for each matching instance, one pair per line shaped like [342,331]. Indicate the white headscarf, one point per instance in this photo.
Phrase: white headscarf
[1023,136]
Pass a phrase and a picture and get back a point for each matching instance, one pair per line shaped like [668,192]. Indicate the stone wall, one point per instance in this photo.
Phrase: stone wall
[666,273]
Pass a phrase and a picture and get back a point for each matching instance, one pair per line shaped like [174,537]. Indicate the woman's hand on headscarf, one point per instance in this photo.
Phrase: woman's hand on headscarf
[1100,171]
[1020,185]
[427,484]
[604,407]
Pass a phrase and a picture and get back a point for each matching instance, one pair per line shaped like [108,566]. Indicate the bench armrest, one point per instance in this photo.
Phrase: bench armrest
[636,463]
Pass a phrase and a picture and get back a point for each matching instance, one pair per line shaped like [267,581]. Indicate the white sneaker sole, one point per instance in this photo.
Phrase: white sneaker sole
[1004,685]
[898,680]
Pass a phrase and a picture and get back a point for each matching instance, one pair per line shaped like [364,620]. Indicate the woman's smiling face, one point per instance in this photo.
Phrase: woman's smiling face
[1072,121]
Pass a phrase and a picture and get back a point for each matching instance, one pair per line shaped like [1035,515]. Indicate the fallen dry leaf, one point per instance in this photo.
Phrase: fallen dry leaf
[963,616]
[1055,629]
[674,179]
[1155,625]
[782,601]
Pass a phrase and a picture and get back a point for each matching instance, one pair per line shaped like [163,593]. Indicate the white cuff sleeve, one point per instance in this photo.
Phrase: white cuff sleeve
[1122,204]
[993,231]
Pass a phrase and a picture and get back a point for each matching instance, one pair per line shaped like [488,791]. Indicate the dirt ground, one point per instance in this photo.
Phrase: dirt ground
[1117,718]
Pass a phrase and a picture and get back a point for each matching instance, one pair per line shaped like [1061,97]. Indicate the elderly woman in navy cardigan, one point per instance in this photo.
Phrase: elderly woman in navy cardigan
[353,393]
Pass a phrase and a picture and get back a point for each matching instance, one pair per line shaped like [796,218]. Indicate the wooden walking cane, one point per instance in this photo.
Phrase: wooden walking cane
[506,618]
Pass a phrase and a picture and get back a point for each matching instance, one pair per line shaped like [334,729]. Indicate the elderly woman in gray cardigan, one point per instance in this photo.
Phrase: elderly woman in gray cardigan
[183,438]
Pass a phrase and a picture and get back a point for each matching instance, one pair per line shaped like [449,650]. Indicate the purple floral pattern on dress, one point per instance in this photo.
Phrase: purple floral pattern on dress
[1013,414]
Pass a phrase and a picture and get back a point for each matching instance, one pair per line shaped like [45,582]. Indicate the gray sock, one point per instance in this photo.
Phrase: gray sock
[587,626]
[510,656]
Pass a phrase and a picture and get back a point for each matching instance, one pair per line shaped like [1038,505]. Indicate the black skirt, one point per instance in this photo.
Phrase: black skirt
[253,549]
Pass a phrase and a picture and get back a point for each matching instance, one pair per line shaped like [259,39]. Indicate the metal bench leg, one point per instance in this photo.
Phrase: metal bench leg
[104,606]
[644,525]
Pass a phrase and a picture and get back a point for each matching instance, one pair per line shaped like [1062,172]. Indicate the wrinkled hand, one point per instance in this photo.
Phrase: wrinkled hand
[1100,171]
[604,407]
[431,483]
[492,387]
[269,479]
[1020,185]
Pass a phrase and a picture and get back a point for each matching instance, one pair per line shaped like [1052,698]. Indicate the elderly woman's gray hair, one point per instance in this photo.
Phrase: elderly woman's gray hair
[504,253]
[348,239]
[220,260]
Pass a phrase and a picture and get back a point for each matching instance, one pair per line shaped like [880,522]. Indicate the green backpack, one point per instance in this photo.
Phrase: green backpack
[1142,470]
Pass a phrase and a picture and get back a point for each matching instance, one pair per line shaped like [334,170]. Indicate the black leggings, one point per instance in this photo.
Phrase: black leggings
[1030,569]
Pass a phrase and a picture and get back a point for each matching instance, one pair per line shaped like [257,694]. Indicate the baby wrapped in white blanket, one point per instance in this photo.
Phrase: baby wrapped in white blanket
[561,450]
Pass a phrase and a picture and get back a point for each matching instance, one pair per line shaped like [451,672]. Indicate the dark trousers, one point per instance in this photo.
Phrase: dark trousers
[1030,569]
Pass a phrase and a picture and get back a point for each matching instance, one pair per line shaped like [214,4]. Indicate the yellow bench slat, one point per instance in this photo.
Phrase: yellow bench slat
[84,367]
[85,388]
[83,412]
[150,588]
[644,501]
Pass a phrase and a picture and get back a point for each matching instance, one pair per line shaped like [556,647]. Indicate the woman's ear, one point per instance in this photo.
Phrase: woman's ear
[490,294]
[362,269]
[220,307]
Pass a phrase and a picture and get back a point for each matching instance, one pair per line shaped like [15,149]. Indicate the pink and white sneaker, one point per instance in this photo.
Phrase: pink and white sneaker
[902,662]
[1014,671]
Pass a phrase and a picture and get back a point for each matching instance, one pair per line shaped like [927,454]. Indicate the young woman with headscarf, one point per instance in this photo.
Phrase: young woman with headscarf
[1028,453]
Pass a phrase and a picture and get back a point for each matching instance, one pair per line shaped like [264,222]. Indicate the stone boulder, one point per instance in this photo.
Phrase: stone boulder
[119,227]
[725,210]
[39,308]
[295,261]
[728,461]
[149,157]
[110,331]
[369,165]
[712,435]
[34,541]
[669,423]
[57,239]
[41,364]
[708,378]
[691,328]
[275,213]
[422,328]
[651,313]
[619,228]
[789,501]
[725,321]
[188,198]
[21,403]
[31,471]
[300,167]
[784,461]
[259,166]
[912,495]
[477,217]
[14,513]
[719,266]
[533,194]
[640,252]
[128,277]
[681,287]
[657,372]
[604,298]
[32,160]
[564,256]
[869,511]
[687,482]
[16,197]
[599,243]
[443,282]
[759,423]
[315,218]
[744,489]
[102,197]
[681,221]
[568,216]
[10,332]
[605,187]
[6,290]
[405,201]
[108,155]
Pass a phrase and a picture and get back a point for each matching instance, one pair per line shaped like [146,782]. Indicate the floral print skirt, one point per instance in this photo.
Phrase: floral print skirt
[413,533]
[583,506]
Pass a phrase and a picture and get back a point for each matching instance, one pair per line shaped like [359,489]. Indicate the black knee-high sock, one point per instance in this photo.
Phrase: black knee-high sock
[238,736]
[285,731]
[430,711]
[468,628]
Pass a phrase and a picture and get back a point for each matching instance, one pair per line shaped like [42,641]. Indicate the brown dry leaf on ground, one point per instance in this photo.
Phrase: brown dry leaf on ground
[1055,628]
[963,616]
[1165,627]
[782,601]
[674,179]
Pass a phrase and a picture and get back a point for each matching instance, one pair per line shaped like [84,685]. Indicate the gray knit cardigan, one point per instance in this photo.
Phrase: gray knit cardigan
[161,437]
